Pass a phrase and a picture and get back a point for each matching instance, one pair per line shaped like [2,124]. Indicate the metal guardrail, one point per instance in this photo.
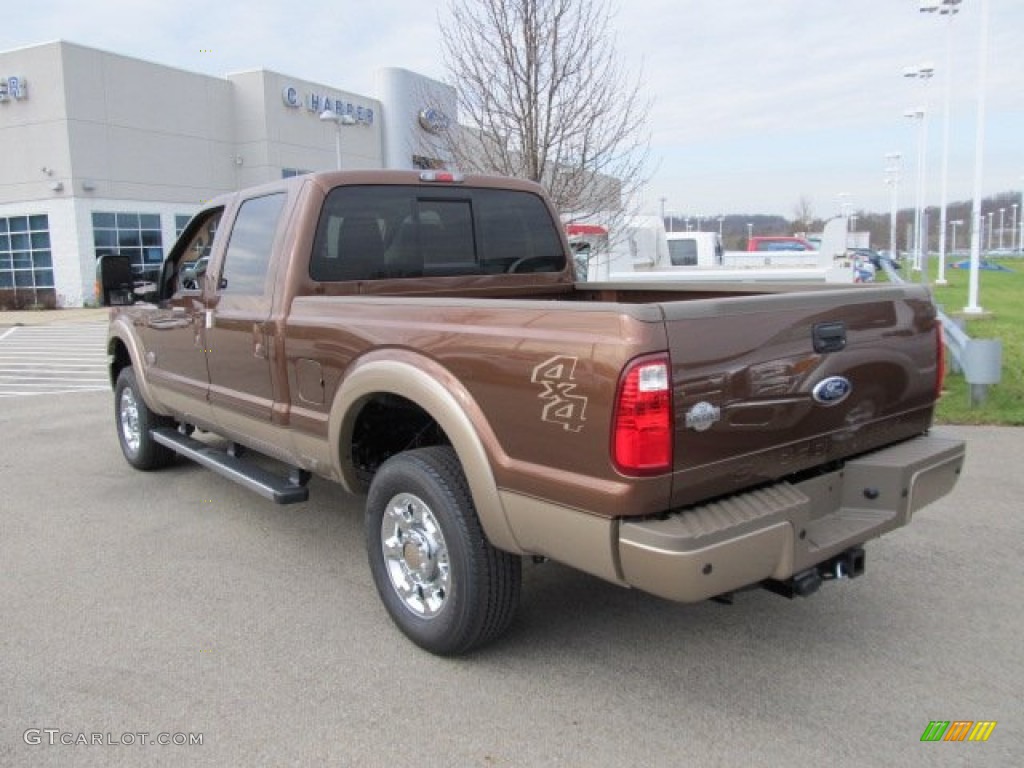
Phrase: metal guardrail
[980,360]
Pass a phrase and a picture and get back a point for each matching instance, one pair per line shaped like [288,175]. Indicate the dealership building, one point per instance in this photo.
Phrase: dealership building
[104,153]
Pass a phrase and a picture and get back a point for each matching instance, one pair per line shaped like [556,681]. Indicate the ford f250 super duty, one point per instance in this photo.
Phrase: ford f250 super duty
[419,338]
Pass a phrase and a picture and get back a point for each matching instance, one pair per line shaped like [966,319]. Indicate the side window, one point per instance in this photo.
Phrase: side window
[250,246]
[195,257]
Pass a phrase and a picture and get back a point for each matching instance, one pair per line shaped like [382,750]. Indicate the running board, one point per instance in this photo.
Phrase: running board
[280,490]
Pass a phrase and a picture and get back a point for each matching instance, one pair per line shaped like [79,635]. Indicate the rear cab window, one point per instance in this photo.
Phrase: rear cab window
[394,231]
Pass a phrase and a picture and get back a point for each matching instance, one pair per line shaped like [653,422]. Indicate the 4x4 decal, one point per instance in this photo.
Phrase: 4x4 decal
[561,406]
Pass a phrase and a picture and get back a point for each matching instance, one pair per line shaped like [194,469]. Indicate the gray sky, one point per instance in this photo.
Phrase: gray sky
[756,102]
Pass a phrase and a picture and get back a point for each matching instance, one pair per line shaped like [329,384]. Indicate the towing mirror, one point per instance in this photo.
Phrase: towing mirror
[114,280]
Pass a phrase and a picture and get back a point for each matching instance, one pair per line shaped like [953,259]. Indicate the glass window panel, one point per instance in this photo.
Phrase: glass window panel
[5,242]
[5,261]
[104,238]
[21,259]
[127,238]
[152,239]
[40,240]
[150,221]
[154,255]
[6,279]
[23,278]
[38,222]
[18,223]
[127,220]
[20,242]
[103,220]
[44,278]
[249,248]
[3,226]
[42,259]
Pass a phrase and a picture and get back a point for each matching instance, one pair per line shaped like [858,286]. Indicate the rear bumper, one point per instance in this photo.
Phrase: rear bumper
[774,532]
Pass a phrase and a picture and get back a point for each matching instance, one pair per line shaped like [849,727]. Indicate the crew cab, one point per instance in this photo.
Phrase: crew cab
[420,338]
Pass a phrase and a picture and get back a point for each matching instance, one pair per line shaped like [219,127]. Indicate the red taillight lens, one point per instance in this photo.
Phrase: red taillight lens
[642,423]
[940,359]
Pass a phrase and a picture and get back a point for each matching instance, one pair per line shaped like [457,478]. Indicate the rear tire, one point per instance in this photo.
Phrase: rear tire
[134,421]
[441,581]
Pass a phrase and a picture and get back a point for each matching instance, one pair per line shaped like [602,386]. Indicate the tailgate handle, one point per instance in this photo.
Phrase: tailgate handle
[829,337]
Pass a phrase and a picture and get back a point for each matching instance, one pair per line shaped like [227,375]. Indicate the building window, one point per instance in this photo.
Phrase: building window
[287,173]
[135,235]
[181,221]
[26,261]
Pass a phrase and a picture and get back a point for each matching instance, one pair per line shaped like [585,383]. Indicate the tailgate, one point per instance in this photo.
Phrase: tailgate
[768,386]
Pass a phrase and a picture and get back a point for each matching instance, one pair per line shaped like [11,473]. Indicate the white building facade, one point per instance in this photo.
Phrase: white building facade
[103,153]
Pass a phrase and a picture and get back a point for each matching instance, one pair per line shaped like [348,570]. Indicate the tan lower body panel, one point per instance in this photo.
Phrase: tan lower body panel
[774,532]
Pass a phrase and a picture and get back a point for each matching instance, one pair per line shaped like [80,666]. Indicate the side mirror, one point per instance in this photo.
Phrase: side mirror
[114,280]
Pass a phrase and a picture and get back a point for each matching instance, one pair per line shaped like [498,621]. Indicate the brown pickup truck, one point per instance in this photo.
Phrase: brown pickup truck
[419,337]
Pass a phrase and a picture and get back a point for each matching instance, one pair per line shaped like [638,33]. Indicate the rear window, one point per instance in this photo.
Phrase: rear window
[377,232]
[683,253]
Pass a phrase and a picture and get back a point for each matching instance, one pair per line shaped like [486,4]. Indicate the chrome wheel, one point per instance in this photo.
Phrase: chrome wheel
[128,410]
[415,555]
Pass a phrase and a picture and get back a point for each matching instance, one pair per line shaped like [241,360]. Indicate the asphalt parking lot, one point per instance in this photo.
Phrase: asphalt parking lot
[176,603]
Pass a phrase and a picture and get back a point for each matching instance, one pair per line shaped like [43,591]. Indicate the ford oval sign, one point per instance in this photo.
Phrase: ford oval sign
[832,391]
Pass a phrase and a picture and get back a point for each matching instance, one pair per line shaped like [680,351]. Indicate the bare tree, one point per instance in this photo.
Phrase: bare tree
[803,212]
[541,96]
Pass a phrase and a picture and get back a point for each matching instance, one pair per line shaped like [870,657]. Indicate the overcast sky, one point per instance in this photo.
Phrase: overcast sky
[756,102]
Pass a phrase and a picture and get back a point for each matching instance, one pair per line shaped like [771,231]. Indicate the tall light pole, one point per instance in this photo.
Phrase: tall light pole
[1013,226]
[663,199]
[990,230]
[330,116]
[919,116]
[1002,217]
[973,308]
[750,233]
[720,220]
[949,9]
[954,224]
[892,179]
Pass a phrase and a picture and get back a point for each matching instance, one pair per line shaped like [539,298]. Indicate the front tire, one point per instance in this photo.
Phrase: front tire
[134,421]
[441,581]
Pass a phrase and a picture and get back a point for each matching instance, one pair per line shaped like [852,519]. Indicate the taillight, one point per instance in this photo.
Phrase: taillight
[940,359]
[642,422]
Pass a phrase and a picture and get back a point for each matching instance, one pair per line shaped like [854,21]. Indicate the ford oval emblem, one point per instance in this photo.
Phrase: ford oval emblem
[832,391]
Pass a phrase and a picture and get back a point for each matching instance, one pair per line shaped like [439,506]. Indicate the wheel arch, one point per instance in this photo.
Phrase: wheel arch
[123,350]
[434,390]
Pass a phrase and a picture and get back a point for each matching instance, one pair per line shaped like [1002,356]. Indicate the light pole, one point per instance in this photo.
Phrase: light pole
[1013,226]
[892,178]
[720,220]
[973,308]
[954,224]
[663,199]
[1002,224]
[949,9]
[750,234]
[989,248]
[330,116]
[919,115]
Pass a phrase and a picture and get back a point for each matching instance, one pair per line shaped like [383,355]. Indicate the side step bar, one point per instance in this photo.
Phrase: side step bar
[280,490]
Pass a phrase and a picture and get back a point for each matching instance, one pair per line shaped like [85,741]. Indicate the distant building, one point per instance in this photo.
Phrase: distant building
[104,153]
